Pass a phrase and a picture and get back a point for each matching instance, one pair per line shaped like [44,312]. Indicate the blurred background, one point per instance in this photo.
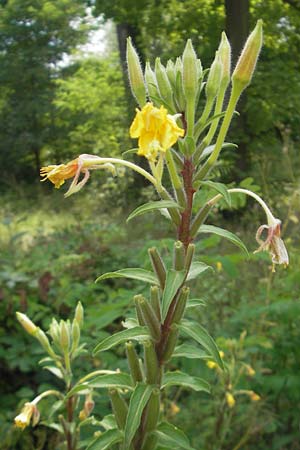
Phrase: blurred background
[64,92]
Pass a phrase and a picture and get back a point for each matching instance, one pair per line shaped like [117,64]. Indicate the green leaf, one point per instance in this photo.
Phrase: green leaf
[106,440]
[208,150]
[130,152]
[194,302]
[152,206]
[174,280]
[183,379]
[133,273]
[113,380]
[137,333]
[138,401]
[197,332]
[172,437]
[190,351]
[196,269]
[224,233]
[221,188]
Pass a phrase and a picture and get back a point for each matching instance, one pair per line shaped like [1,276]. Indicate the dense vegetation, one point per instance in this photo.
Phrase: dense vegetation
[52,250]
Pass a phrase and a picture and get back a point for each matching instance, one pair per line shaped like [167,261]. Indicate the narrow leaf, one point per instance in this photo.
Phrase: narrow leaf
[115,380]
[224,233]
[183,379]
[194,302]
[208,150]
[196,269]
[219,187]
[106,440]
[134,274]
[138,401]
[136,333]
[174,280]
[152,206]
[197,332]
[190,351]
[172,437]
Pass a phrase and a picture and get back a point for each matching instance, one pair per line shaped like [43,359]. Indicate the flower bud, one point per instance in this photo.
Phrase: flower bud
[171,73]
[245,67]
[149,317]
[75,335]
[189,257]
[179,87]
[214,78]
[155,301]
[158,266]
[119,407]
[64,336]
[151,83]
[181,304]
[189,71]
[134,363]
[153,410]
[171,343]
[26,323]
[79,314]
[179,255]
[225,56]
[164,85]
[135,73]
[151,363]
[44,341]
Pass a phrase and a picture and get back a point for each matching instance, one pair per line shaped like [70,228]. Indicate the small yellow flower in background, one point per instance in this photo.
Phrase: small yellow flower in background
[156,129]
[230,399]
[211,364]
[249,370]
[219,266]
[253,396]
[222,354]
[29,411]
[174,409]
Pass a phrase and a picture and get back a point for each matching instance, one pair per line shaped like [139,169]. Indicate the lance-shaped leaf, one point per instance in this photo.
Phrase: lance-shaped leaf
[174,280]
[106,440]
[183,379]
[224,233]
[136,333]
[208,150]
[219,187]
[190,351]
[197,332]
[134,274]
[153,206]
[138,401]
[170,436]
[194,302]
[113,380]
[196,269]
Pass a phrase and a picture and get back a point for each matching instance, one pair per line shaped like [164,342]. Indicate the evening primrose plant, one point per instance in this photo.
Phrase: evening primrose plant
[182,144]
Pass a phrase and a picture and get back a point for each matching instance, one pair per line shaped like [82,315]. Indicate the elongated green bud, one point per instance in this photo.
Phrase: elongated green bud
[135,73]
[225,57]
[151,363]
[189,71]
[139,314]
[134,363]
[44,341]
[189,257]
[214,78]
[171,73]
[26,323]
[181,304]
[149,317]
[245,67]
[170,344]
[64,336]
[155,301]
[163,82]
[179,255]
[75,335]
[180,98]
[151,83]
[158,266]
[79,314]
[55,332]
[153,410]
[119,407]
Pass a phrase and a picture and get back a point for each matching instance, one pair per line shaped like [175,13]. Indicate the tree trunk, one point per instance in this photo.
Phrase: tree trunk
[237,30]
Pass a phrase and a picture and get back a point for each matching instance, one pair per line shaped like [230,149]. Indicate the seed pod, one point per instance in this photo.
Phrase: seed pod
[153,410]
[158,266]
[155,301]
[189,257]
[119,407]
[134,363]
[179,256]
[181,304]
[170,344]
[245,67]
[151,363]
[135,73]
[149,317]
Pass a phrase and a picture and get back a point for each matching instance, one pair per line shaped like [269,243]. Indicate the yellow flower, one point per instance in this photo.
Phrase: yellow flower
[253,396]
[23,419]
[211,364]
[156,129]
[174,409]
[57,174]
[230,399]
[249,370]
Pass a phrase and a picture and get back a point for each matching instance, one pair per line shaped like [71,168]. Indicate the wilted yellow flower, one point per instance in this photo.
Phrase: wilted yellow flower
[57,174]
[156,129]
[23,419]
[230,399]
[273,244]
[253,396]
